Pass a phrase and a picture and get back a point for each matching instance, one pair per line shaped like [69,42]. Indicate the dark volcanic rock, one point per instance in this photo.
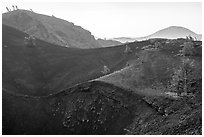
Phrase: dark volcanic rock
[100,108]
[90,108]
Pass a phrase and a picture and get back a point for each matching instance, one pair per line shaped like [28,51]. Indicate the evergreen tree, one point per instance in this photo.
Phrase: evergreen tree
[182,77]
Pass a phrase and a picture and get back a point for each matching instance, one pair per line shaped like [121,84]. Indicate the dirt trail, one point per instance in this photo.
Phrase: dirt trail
[121,79]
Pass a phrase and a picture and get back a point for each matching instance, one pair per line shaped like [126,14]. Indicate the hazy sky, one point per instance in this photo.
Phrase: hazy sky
[118,19]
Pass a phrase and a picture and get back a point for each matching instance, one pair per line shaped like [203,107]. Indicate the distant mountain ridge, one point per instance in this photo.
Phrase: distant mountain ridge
[123,39]
[172,32]
[108,43]
[50,29]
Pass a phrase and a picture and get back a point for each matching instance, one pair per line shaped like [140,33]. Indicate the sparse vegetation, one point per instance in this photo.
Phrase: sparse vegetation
[7,9]
[188,49]
[181,77]
[127,49]
[106,70]
[157,44]
[189,38]
[30,41]
[37,97]
[186,75]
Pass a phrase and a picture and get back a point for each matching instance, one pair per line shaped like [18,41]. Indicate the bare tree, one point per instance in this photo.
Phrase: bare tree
[189,38]
[7,9]
[13,7]
[188,49]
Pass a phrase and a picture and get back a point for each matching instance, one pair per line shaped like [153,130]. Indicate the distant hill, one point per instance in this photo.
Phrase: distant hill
[123,39]
[108,43]
[50,29]
[172,32]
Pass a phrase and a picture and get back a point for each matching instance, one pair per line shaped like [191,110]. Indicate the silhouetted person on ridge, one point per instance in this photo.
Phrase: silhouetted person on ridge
[16,7]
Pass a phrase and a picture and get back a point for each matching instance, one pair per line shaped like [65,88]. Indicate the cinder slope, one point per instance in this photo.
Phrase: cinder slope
[100,108]
[89,108]
[46,68]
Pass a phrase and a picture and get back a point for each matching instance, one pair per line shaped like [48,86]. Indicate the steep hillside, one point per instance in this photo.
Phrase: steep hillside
[153,75]
[40,95]
[153,67]
[108,43]
[46,68]
[50,29]
[90,108]
[99,108]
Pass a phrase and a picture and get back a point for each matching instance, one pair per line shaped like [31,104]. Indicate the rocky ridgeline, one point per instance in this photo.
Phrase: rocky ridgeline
[50,29]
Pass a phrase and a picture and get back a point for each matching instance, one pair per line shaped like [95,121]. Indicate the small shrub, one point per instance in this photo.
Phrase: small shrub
[189,38]
[30,41]
[167,41]
[188,49]
[146,47]
[127,49]
[157,44]
[152,41]
[106,70]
